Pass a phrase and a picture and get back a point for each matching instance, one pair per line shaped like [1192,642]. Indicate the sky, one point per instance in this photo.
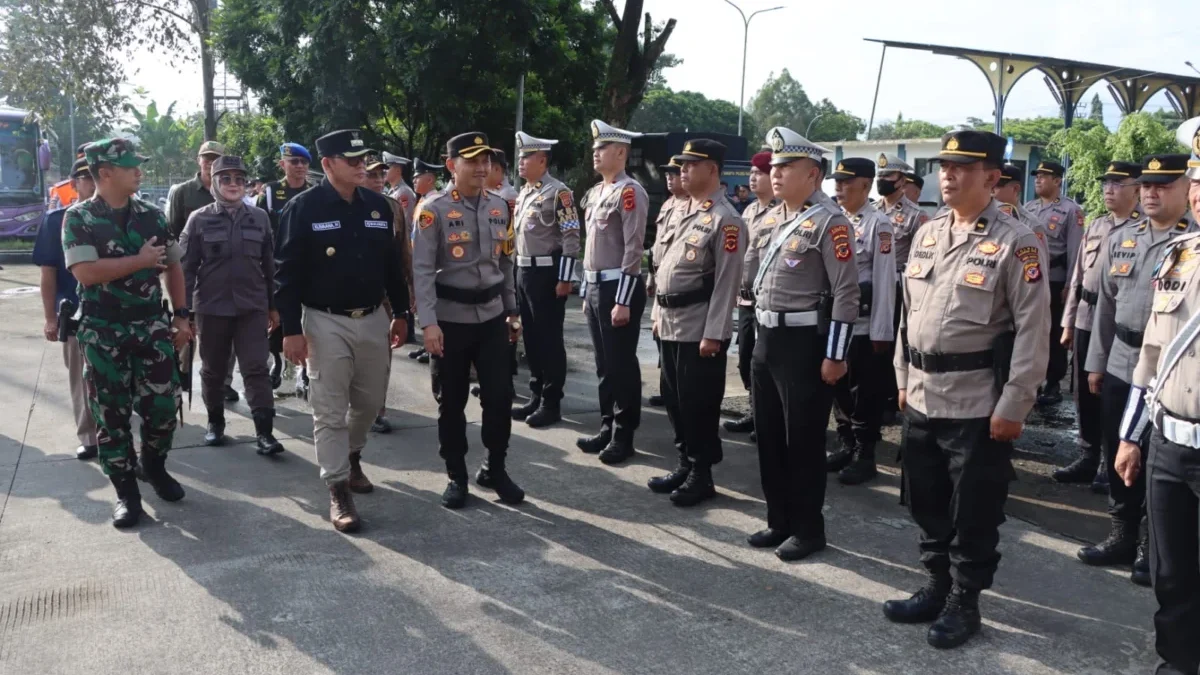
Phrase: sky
[822,45]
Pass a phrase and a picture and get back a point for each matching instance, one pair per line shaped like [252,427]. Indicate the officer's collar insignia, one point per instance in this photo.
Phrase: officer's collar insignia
[989,248]
[455,196]
[706,205]
[982,225]
[1135,214]
[1182,226]
[1142,227]
[374,214]
[538,185]
[454,214]
[808,224]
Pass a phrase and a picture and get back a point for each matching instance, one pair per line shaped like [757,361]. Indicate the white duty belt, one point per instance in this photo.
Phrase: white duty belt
[535,261]
[768,319]
[1178,431]
[598,276]
[1175,430]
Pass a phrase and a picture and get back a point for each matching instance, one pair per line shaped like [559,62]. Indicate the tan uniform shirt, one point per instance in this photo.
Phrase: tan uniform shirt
[755,218]
[1063,223]
[905,217]
[463,243]
[547,223]
[1084,284]
[962,289]
[1176,300]
[616,230]
[818,257]
[402,229]
[403,194]
[876,260]
[1126,294]
[703,246]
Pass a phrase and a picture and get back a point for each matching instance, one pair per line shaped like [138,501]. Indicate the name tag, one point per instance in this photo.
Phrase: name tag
[331,225]
[377,224]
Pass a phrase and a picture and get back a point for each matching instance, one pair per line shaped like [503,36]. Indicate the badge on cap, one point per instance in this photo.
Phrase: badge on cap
[882,161]
[952,144]
[777,141]
[1154,164]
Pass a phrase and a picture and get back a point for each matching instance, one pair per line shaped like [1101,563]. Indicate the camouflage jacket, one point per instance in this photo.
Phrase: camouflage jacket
[90,232]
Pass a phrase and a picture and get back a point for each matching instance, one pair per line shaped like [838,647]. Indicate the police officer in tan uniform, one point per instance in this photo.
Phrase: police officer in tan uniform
[1127,263]
[547,229]
[1008,193]
[806,292]
[467,306]
[858,398]
[398,187]
[755,217]
[913,185]
[424,182]
[1164,393]
[1121,200]
[1063,222]
[699,273]
[975,297]
[676,197]
[615,296]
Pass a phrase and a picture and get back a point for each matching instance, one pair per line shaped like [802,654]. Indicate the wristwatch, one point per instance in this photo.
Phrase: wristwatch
[183,313]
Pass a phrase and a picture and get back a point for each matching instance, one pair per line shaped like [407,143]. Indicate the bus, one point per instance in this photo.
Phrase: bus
[24,159]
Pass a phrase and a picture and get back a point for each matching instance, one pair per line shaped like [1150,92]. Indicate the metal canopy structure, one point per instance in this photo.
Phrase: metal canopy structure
[1068,80]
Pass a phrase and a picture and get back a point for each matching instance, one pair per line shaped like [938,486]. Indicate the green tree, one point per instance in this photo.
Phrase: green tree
[903,129]
[1096,109]
[633,59]
[166,140]
[666,110]
[255,138]
[1036,130]
[782,102]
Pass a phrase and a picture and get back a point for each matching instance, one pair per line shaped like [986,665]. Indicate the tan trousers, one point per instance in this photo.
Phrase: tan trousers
[348,365]
[85,425]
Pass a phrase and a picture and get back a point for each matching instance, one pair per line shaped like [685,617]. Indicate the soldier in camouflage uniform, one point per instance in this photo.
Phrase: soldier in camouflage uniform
[117,246]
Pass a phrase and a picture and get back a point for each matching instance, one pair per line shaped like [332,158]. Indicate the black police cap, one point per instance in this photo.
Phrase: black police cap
[1122,170]
[1011,173]
[915,179]
[468,145]
[343,143]
[853,167]
[700,149]
[80,169]
[1052,168]
[421,167]
[968,146]
[1161,169]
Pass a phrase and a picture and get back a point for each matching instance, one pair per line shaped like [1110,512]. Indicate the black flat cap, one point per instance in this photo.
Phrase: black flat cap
[1011,173]
[968,146]
[468,145]
[1162,169]
[1053,168]
[1122,170]
[853,167]
[342,143]
[700,149]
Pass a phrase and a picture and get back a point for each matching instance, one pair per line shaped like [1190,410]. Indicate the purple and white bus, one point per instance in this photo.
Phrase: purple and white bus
[24,158]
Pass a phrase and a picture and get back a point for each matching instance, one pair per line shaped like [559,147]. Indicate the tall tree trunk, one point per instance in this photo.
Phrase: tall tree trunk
[631,64]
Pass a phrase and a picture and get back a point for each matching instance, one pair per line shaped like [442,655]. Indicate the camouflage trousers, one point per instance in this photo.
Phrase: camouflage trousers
[130,368]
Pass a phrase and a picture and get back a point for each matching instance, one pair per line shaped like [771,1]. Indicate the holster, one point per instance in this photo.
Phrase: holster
[1002,348]
[67,323]
[866,296]
[824,313]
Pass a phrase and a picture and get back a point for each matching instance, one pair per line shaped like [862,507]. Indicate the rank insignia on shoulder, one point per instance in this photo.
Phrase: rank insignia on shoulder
[981,225]
[706,205]
[1183,225]
[808,224]
[455,196]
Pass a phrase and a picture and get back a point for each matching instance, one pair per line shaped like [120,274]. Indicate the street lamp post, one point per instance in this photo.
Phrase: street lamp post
[810,123]
[1189,65]
[745,44]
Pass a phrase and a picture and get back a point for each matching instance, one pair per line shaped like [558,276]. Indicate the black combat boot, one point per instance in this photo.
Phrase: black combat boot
[656,400]
[665,485]
[231,395]
[264,429]
[87,451]
[154,472]
[455,495]
[214,433]
[493,474]
[862,468]
[129,500]
[1141,563]
[840,457]
[521,412]
[1082,470]
[1100,482]
[697,488]
[742,425]
[1051,395]
[925,605]
[1120,548]
[958,621]
[616,451]
[594,444]
[547,413]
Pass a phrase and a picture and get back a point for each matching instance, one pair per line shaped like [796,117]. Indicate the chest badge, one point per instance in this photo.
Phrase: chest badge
[1129,243]
[914,269]
[706,220]
[458,252]
[691,255]
[330,251]
[454,236]
[454,214]
[1052,225]
[989,248]
[494,212]
[374,214]
[898,219]
[769,221]
[694,239]
[791,262]
[808,224]
[928,241]
[793,245]
[975,278]
[1123,268]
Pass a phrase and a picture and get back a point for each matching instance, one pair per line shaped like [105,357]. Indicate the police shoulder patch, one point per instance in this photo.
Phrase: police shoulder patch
[628,199]
[425,219]
[731,237]
[840,234]
[885,242]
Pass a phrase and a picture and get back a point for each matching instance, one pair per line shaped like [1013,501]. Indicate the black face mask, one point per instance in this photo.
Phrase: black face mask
[886,187]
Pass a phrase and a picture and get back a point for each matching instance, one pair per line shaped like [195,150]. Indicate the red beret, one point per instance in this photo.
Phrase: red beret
[762,162]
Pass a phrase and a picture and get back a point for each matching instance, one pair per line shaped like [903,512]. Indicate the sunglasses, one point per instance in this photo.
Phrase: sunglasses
[352,161]
[226,179]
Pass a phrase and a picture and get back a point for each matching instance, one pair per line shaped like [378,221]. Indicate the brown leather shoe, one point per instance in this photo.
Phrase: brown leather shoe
[358,480]
[342,513]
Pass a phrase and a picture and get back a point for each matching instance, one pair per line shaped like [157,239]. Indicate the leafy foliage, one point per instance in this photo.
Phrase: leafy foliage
[904,129]
[1036,130]
[782,101]
[666,110]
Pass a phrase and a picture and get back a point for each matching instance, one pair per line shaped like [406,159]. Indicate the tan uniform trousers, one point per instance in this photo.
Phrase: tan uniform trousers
[348,365]
[85,424]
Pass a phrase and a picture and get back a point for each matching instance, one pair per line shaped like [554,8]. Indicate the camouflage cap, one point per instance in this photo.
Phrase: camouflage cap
[115,151]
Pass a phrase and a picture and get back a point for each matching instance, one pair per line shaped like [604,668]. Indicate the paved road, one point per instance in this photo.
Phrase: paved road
[594,574]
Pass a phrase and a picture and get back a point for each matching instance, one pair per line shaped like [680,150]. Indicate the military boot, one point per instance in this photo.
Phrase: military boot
[154,472]
[1082,470]
[493,474]
[1119,548]
[455,494]
[840,458]
[742,425]
[958,621]
[925,605]
[1100,482]
[214,433]
[264,431]
[697,488]
[1051,395]
[1141,563]
[593,444]
[547,413]
[665,485]
[521,412]
[87,452]
[342,512]
[862,468]
[129,500]
[617,451]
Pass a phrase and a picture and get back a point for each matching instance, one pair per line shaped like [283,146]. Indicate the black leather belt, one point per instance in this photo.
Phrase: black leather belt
[121,314]
[352,313]
[1129,336]
[1059,260]
[469,296]
[686,298]
[1090,297]
[1162,410]
[950,363]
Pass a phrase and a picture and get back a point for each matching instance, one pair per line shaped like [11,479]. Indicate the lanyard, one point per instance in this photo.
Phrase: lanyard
[773,249]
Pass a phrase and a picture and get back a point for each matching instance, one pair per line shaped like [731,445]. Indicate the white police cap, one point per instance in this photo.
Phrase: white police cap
[527,144]
[889,163]
[390,159]
[604,133]
[1189,135]
[788,146]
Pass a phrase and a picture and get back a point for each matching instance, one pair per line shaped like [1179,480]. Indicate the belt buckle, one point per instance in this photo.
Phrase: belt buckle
[357,314]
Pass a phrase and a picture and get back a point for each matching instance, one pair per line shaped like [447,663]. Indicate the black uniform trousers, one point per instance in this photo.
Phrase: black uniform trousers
[484,345]
[791,412]
[891,392]
[1173,503]
[956,479]
[1125,503]
[1088,406]
[745,337]
[858,398]
[693,387]
[1056,367]
[616,357]
[542,315]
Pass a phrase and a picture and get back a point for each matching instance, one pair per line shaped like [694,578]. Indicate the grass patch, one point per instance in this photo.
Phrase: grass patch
[16,245]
